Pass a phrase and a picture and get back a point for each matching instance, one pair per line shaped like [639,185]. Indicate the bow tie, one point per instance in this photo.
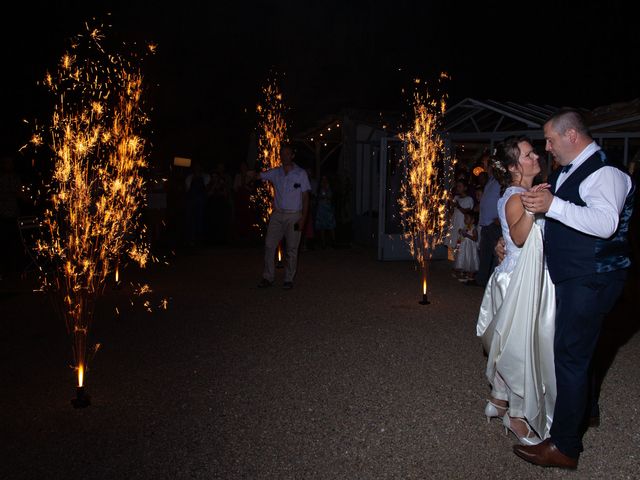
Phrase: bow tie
[566,168]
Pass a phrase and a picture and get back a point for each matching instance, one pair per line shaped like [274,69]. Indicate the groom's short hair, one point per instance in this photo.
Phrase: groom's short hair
[567,118]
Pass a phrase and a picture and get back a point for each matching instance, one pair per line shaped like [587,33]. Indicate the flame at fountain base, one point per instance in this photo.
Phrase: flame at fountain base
[424,300]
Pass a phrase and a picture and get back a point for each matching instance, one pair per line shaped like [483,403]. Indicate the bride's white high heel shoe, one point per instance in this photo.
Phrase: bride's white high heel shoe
[529,439]
[493,410]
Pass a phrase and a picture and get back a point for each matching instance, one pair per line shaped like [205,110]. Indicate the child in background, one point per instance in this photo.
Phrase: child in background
[461,203]
[467,260]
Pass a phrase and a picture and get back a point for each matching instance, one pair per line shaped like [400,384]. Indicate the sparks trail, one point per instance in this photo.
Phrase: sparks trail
[96,193]
[272,131]
[424,194]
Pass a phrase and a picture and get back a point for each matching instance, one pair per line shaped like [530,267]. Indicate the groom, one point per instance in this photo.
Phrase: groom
[587,214]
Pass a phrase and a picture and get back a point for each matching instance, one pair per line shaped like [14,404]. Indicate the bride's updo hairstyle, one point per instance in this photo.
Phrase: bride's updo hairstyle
[504,156]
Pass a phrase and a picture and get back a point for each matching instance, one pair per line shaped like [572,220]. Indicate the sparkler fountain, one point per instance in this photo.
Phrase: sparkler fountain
[272,133]
[424,194]
[97,189]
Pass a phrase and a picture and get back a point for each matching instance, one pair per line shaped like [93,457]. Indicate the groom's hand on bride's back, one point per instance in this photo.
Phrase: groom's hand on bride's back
[500,250]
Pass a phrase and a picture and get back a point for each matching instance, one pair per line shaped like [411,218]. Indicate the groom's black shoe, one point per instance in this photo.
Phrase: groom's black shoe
[594,422]
[545,454]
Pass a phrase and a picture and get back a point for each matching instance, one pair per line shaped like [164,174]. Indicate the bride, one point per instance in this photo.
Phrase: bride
[516,319]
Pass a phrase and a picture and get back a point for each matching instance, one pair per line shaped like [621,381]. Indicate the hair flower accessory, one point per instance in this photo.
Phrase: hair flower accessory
[497,165]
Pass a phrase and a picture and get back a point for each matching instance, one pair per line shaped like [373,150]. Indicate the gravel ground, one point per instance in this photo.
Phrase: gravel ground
[344,377]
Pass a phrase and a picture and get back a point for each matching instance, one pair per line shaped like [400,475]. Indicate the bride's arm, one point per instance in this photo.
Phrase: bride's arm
[518,219]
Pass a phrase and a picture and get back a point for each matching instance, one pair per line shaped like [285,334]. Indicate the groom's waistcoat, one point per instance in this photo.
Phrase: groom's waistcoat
[571,253]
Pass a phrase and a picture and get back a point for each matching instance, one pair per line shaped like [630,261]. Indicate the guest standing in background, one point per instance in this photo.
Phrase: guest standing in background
[290,209]
[325,222]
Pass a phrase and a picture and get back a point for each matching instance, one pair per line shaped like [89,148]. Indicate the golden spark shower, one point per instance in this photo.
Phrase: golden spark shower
[424,194]
[272,131]
[92,220]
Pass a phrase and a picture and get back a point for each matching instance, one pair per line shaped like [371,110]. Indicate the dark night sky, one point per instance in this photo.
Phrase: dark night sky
[213,59]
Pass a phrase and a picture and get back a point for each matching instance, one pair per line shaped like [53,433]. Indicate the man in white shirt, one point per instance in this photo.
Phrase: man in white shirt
[290,208]
[587,210]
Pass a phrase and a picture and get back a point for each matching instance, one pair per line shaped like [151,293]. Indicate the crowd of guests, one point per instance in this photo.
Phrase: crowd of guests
[188,207]
[474,213]
[196,207]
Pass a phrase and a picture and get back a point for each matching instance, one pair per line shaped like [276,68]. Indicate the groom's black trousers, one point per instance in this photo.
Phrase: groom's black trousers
[582,303]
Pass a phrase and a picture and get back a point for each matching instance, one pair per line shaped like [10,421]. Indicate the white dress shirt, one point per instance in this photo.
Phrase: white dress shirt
[604,192]
[289,187]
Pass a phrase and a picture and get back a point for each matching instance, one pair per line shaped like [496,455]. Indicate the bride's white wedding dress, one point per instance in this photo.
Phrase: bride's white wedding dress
[516,324]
